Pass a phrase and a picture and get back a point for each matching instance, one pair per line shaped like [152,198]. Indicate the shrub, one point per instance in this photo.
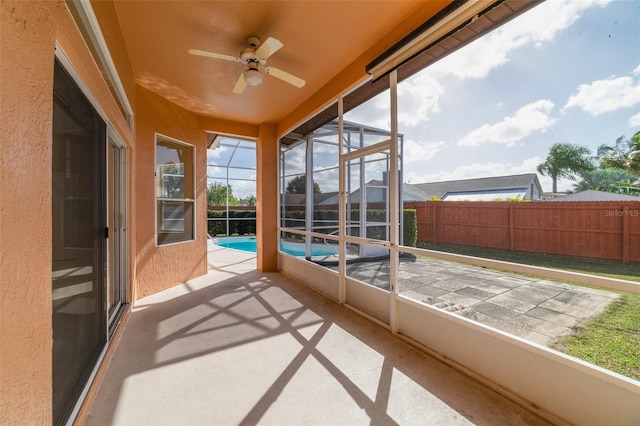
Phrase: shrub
[244,225]
[410,234]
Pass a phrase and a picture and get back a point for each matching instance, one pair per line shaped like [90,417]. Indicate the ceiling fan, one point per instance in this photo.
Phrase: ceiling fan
[255,58]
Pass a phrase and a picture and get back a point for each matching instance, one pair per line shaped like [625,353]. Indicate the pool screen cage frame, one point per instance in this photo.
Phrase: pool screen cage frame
[228,177]
[376,191]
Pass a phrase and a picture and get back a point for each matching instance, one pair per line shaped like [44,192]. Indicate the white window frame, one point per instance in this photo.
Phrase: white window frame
[159,181]
[87,20]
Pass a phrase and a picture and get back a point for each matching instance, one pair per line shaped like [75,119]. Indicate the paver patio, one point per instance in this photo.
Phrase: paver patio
[535,309]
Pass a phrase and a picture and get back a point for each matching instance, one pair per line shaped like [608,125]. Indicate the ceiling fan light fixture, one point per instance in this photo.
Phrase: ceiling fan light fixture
[255,57]
[253,77]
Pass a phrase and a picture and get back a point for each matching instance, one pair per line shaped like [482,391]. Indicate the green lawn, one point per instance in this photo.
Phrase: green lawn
[611,339]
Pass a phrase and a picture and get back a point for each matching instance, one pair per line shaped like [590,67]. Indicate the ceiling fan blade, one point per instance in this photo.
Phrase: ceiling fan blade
[240,85]
[214,55]
[268,48]
[285,76]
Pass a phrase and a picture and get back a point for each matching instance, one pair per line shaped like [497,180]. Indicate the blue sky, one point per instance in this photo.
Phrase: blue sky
[566,71]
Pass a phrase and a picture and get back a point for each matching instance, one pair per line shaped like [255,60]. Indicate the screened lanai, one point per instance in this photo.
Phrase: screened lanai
[307,204]
[309,189]
[231,187]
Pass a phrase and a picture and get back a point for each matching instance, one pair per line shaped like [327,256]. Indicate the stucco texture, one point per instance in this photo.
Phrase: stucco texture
[27,42]
[29,32]
[159,267]
[267,195]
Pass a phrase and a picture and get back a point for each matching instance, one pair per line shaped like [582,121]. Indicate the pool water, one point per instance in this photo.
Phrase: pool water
[248,244]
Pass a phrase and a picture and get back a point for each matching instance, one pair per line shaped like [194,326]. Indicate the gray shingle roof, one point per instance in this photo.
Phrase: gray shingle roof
[593,195]
[440,189]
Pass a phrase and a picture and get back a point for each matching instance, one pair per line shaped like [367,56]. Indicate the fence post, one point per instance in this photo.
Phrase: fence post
[435,222]
[625,234]
[512,238]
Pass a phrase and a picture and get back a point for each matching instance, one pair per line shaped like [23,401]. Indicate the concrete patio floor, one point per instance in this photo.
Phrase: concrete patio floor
[532,308]
[242,347]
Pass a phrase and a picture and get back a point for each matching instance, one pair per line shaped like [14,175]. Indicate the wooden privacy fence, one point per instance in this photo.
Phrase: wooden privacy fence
[594,229]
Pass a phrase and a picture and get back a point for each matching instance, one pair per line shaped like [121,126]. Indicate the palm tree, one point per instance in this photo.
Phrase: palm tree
[633,155]
[565,161]
[613,155]
[603,178]
[623,154]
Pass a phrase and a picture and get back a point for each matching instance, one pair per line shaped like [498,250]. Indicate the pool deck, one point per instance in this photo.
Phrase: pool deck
[533,308]
[239,346]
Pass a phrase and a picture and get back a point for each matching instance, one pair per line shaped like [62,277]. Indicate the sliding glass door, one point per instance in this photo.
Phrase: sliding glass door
[117,230]
[78,242]
[90,260]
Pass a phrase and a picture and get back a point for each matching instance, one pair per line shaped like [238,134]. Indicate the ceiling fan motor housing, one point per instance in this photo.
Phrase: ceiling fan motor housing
[253,41]
[248,54]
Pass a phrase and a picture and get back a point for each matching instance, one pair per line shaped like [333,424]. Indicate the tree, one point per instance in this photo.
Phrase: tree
[633,156]
[623,154]
[603,178]
[298,185]
[217,194]
[565,161]
[172,180]
[250,200]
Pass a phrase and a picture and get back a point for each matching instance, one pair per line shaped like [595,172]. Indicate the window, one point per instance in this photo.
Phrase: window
[174,191]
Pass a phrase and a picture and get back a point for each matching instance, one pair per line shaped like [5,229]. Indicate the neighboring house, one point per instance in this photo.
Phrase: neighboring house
[525,186]
[377,192]
[593,195]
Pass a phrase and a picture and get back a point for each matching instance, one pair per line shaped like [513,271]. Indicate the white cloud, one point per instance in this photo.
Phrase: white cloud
[212,155]
[536,27]
[474,170]
[242,189]
[634,121]
[375,112]
[606,95]
[529,119]
[417,152]
[563,184]
[417,98]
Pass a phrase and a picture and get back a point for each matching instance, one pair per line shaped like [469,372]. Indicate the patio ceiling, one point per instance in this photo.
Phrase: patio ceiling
[321,39]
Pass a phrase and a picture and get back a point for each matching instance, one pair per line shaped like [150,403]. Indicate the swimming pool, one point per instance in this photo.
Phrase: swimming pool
[295,249]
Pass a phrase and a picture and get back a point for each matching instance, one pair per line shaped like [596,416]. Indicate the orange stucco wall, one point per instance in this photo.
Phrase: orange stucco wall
[159,267]
[25,210]
[267,198]
[28,35]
